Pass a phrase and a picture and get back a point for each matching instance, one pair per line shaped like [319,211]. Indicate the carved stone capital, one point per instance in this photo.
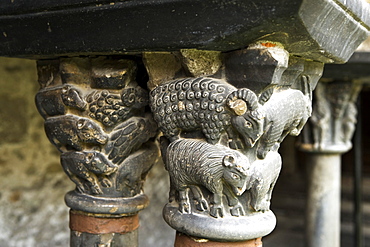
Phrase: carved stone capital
[96,115]
[221,134]
[333,120]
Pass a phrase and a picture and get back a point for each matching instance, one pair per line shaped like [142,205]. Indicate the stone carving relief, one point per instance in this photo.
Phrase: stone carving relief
[96,115]
[220,143]
[333,120]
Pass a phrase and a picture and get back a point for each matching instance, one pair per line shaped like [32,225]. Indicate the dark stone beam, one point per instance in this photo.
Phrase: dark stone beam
[311,29]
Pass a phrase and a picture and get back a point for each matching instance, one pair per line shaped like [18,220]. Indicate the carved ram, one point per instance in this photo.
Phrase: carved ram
[286,112]
[209,105]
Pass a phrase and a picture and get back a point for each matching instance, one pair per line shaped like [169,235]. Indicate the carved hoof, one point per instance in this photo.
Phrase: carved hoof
[96,190]
[202,205]
[80,188]
[184,208]
[262,206]
[106,183]
[216,211]
[237,211]
[261,154]
[295,132]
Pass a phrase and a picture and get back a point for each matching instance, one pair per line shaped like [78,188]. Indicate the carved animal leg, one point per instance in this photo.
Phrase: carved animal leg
[184,202]
[264,143]
[216,208]
[79,185]
[236,208]
[105,182]
[93,182]
[201,202]
[172,193]
[258,193]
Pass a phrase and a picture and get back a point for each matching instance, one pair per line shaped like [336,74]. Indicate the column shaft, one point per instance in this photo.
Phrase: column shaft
[323,202]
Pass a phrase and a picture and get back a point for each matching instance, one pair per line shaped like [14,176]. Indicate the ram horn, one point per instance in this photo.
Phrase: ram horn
[242,100]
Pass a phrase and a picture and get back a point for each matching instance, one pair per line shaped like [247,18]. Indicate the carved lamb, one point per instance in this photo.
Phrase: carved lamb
[193,163]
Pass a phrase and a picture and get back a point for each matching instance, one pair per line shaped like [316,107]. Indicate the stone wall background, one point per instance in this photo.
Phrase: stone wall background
[33,184]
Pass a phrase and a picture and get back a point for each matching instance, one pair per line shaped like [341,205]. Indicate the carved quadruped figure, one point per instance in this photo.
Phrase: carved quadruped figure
[264,174]
[88,170]
[333,109]
[193,163]
[96,114]
[320,118]
[53,101]
[286,112]
[206,104]
[70,132]
[220,140]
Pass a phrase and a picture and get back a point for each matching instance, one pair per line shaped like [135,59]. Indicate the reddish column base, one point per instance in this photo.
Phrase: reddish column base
[183,240]
[102,225]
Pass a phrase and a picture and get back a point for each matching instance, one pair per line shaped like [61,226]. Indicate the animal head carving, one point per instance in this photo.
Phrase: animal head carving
[236,173]
[238,106]
[71,97]
[90,132]
[249,117]
[99,164]
[235,101]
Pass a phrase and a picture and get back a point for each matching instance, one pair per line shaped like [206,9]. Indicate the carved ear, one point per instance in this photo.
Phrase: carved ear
[238,106]
[66,88]
[80,123]
[228,161]
[89,157]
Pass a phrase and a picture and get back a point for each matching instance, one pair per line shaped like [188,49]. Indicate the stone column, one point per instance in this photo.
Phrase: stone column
[223,117]
[96,115]
[326,137]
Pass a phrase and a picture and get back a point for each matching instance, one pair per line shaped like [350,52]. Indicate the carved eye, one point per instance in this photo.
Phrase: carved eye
[248,124]
[235,176]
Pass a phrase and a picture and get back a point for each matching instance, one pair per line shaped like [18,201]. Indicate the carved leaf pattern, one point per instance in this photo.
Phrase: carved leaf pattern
[128,137]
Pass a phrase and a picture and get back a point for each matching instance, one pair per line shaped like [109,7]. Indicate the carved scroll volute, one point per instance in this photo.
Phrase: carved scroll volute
[220,141]
[95,114]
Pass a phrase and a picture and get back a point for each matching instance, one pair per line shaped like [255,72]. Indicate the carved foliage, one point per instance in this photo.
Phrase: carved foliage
[102,132]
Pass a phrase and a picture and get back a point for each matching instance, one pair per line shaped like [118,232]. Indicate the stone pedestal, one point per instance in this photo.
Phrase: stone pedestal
[187,241]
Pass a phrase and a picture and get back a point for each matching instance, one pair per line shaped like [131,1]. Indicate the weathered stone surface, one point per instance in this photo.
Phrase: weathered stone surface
[312,29]
[32,209]
[33,184]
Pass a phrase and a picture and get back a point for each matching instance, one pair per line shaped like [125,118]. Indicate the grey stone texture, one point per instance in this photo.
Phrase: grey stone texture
[33,184]
[32,209]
